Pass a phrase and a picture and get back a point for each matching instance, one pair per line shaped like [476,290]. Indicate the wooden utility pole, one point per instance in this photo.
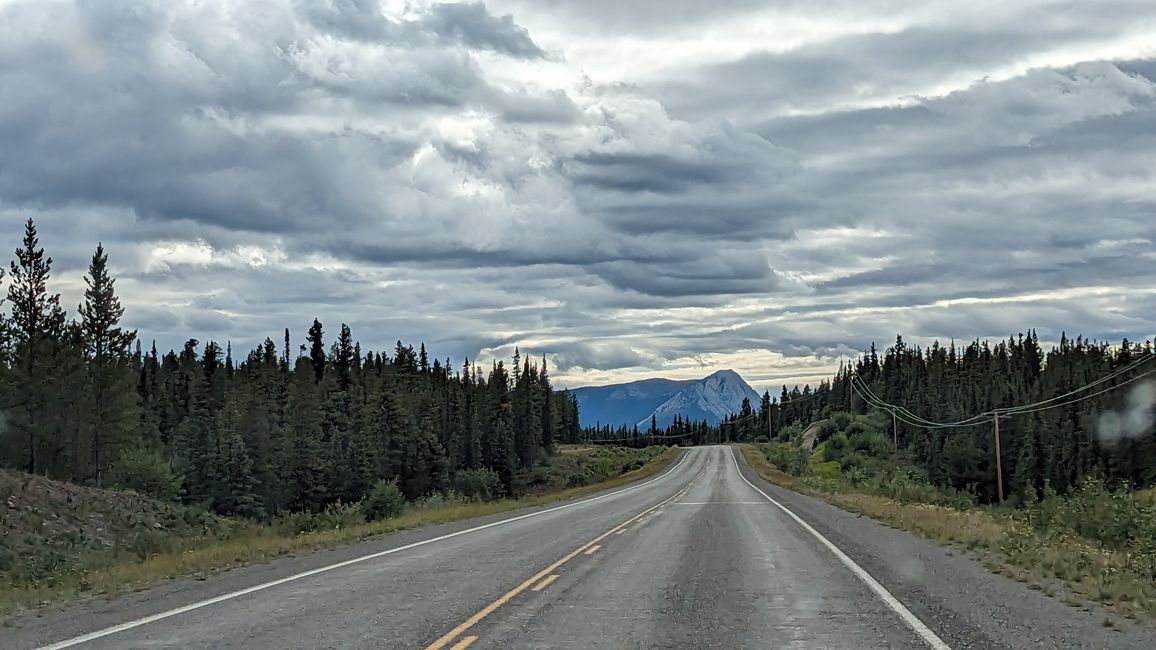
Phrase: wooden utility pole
[998,462]
[894,433]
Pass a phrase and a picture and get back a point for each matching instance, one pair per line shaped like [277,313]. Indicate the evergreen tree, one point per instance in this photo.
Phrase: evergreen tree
[115,412]
[37,326]
[316,350]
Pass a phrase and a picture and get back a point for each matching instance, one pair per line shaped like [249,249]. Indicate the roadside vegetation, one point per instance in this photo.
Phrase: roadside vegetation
[59,540]
[1095,543]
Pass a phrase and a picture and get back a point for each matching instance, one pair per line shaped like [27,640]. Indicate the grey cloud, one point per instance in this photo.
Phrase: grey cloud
[552,107]
[473,25]
[658,173]
[878,66]
[598,356]
[729,274]
[639,16]
[436,177]
[468,24]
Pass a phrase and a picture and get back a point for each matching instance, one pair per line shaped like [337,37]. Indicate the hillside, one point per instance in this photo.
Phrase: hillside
[52,531]
[711,398]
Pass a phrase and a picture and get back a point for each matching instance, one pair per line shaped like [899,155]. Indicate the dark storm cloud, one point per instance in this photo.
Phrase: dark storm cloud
[450,172]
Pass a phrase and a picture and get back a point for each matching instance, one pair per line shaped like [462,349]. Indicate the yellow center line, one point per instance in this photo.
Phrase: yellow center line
[593,549]
[464,643]
[545,583]
[537,577]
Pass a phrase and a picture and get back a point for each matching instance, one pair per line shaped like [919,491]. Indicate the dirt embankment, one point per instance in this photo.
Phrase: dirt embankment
[51,530]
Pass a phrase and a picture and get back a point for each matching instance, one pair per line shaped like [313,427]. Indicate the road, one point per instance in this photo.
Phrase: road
[700,557]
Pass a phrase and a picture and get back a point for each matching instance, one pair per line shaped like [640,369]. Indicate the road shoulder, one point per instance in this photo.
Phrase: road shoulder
[954,595]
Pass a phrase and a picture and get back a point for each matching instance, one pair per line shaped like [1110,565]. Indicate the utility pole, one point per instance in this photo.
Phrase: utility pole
[998,462]
[894,433]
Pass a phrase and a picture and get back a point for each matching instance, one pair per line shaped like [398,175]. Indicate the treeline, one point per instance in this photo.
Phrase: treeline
[681,431]
[270,432]
[1071,436]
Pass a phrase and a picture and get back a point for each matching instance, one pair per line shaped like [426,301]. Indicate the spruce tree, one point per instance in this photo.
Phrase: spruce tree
[37,325]
[316,350]
[115,412]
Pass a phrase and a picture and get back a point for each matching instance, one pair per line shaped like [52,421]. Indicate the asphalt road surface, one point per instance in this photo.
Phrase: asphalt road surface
[705,555]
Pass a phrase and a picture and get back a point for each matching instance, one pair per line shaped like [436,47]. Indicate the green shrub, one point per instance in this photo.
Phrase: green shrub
[449,497]
[841,420]
[335,515]
[1117,519]
[787,457]
[835,447]
[146,471]
[383,501]
[857,476]
[828,470]
[147,542]
[632,465]
[481,484]
[826,430]
[872,443]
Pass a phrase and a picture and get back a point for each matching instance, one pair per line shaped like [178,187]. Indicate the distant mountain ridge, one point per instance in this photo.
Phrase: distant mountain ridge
[711,398]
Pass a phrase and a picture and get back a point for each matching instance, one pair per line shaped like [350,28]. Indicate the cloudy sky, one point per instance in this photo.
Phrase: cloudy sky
[633,188]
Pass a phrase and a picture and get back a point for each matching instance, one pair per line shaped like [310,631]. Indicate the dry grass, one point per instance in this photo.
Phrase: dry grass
[266,544]
[1056,564]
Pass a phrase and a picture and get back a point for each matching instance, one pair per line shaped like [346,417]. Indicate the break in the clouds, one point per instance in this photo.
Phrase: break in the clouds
[628,188]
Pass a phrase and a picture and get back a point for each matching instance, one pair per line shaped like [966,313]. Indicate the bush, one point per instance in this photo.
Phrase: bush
[826,430]
[841,420]
[333,517]
[836,447]
[449,497]
[148,542]
[872,443]
[858,476]
[828,470]
[788,458]
[1114,518]
[383,501]
[632,465]
[144,470]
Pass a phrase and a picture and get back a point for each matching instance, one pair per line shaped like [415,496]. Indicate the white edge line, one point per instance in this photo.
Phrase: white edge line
[929,637]
[92,636]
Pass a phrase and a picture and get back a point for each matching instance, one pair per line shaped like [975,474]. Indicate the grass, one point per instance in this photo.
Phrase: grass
[1052,557]
[256,544]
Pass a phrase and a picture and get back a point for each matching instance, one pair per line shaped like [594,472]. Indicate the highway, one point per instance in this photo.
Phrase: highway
[703,556]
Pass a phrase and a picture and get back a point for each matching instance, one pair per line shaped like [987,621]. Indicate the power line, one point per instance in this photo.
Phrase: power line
[1022,410]
[908,417]
[1081,389]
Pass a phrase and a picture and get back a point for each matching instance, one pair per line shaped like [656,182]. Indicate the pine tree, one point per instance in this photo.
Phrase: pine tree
[235,492]
[316,350]
[115,412]
[37,325]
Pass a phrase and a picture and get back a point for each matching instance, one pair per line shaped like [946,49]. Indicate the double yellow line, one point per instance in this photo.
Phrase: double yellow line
[453,634]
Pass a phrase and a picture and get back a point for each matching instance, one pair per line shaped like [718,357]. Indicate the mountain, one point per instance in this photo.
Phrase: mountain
[711,398]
